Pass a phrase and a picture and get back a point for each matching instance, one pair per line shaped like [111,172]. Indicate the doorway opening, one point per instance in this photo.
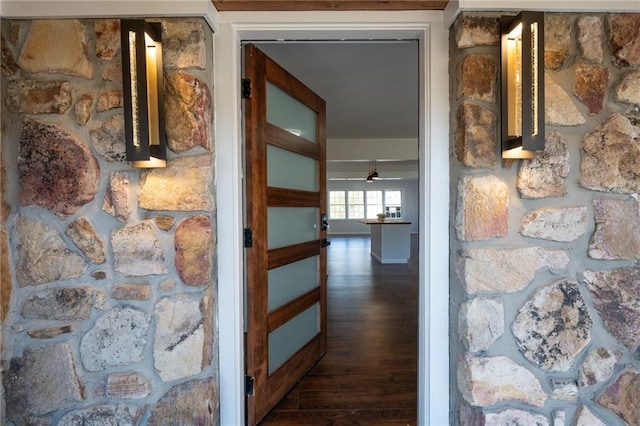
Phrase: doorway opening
[425,26]
[371,92]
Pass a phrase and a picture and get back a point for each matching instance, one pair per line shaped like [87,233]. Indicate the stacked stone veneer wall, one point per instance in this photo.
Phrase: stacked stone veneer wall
[545,252]
[107,271]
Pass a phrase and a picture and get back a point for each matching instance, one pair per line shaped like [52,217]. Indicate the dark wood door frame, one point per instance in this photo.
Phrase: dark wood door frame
[271,386]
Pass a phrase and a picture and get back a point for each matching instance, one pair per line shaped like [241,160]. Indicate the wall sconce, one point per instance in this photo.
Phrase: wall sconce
[522,48]
[145,137]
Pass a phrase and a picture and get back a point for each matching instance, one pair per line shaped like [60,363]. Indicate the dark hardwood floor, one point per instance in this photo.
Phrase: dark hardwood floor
[368,375]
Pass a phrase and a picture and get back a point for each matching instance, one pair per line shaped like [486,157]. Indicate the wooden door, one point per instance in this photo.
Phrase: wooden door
[285,205]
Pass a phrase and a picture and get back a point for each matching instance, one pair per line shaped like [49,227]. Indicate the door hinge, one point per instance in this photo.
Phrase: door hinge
[246,88]
[248,385]
[248,238]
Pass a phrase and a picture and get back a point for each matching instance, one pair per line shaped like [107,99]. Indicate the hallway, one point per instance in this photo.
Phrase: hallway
[368,375]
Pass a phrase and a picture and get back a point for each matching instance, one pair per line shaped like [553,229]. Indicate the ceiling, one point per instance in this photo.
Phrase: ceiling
[371,92]
[370,88]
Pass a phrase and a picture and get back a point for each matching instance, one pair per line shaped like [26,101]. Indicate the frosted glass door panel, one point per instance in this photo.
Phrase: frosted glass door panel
[289,114]
[286,169]
[291,336]
[291,281]
[291,225]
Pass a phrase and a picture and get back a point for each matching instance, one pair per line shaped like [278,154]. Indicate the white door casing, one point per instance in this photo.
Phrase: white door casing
[433,318]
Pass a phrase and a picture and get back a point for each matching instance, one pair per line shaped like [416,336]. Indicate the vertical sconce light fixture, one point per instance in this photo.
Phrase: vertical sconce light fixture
[146,143]
[522,87]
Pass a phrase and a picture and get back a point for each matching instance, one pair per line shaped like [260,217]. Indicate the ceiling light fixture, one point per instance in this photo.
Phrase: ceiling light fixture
[373,172]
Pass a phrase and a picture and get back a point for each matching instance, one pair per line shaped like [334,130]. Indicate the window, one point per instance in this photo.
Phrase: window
[356,204]
[337,205]
[365,204]
[393,204]
[374,204]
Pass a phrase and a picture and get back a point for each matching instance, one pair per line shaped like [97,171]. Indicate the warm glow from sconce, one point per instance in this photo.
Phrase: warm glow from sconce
[534,77]
[142,75]
[517,154]
[148,40]
[514,81]
[522,85]
[133,73]
[153,105]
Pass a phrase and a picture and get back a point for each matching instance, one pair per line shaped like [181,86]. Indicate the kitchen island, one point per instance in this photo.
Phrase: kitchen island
[390,240]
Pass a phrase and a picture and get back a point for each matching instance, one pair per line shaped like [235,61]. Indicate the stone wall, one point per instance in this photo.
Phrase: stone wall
[545,252]
[108,272]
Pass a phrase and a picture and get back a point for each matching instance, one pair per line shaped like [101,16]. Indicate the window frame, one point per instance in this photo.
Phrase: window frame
[365,206]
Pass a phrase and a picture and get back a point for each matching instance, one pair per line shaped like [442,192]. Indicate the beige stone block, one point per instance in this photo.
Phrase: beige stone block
[475,137]
[611,156]
[194,250]
[590,37]
[85,237]
[38,97]
[564,224]
[41,380]
[132,292]
[485,381]
[590,85]
[598,366]
[477,30]
[42,255]
[628,89]
[137,251]
[188,112]
[184,44]
[127,386]
[82,109]
[557,40]
[117,196]
[179,338]
[184,185]
[545,175]
[109,99]
[109,139]
[197,399]
[56,46]
[622,396]
[559,109]
[624,38]
[482,208]
[107,38]
[476,76]
[505,270]
[616,235]
[615,295]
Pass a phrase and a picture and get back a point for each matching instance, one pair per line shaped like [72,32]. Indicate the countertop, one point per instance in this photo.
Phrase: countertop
[384,222]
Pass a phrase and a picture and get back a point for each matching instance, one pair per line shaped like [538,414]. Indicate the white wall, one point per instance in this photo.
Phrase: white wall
[409,188]
[372,149]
